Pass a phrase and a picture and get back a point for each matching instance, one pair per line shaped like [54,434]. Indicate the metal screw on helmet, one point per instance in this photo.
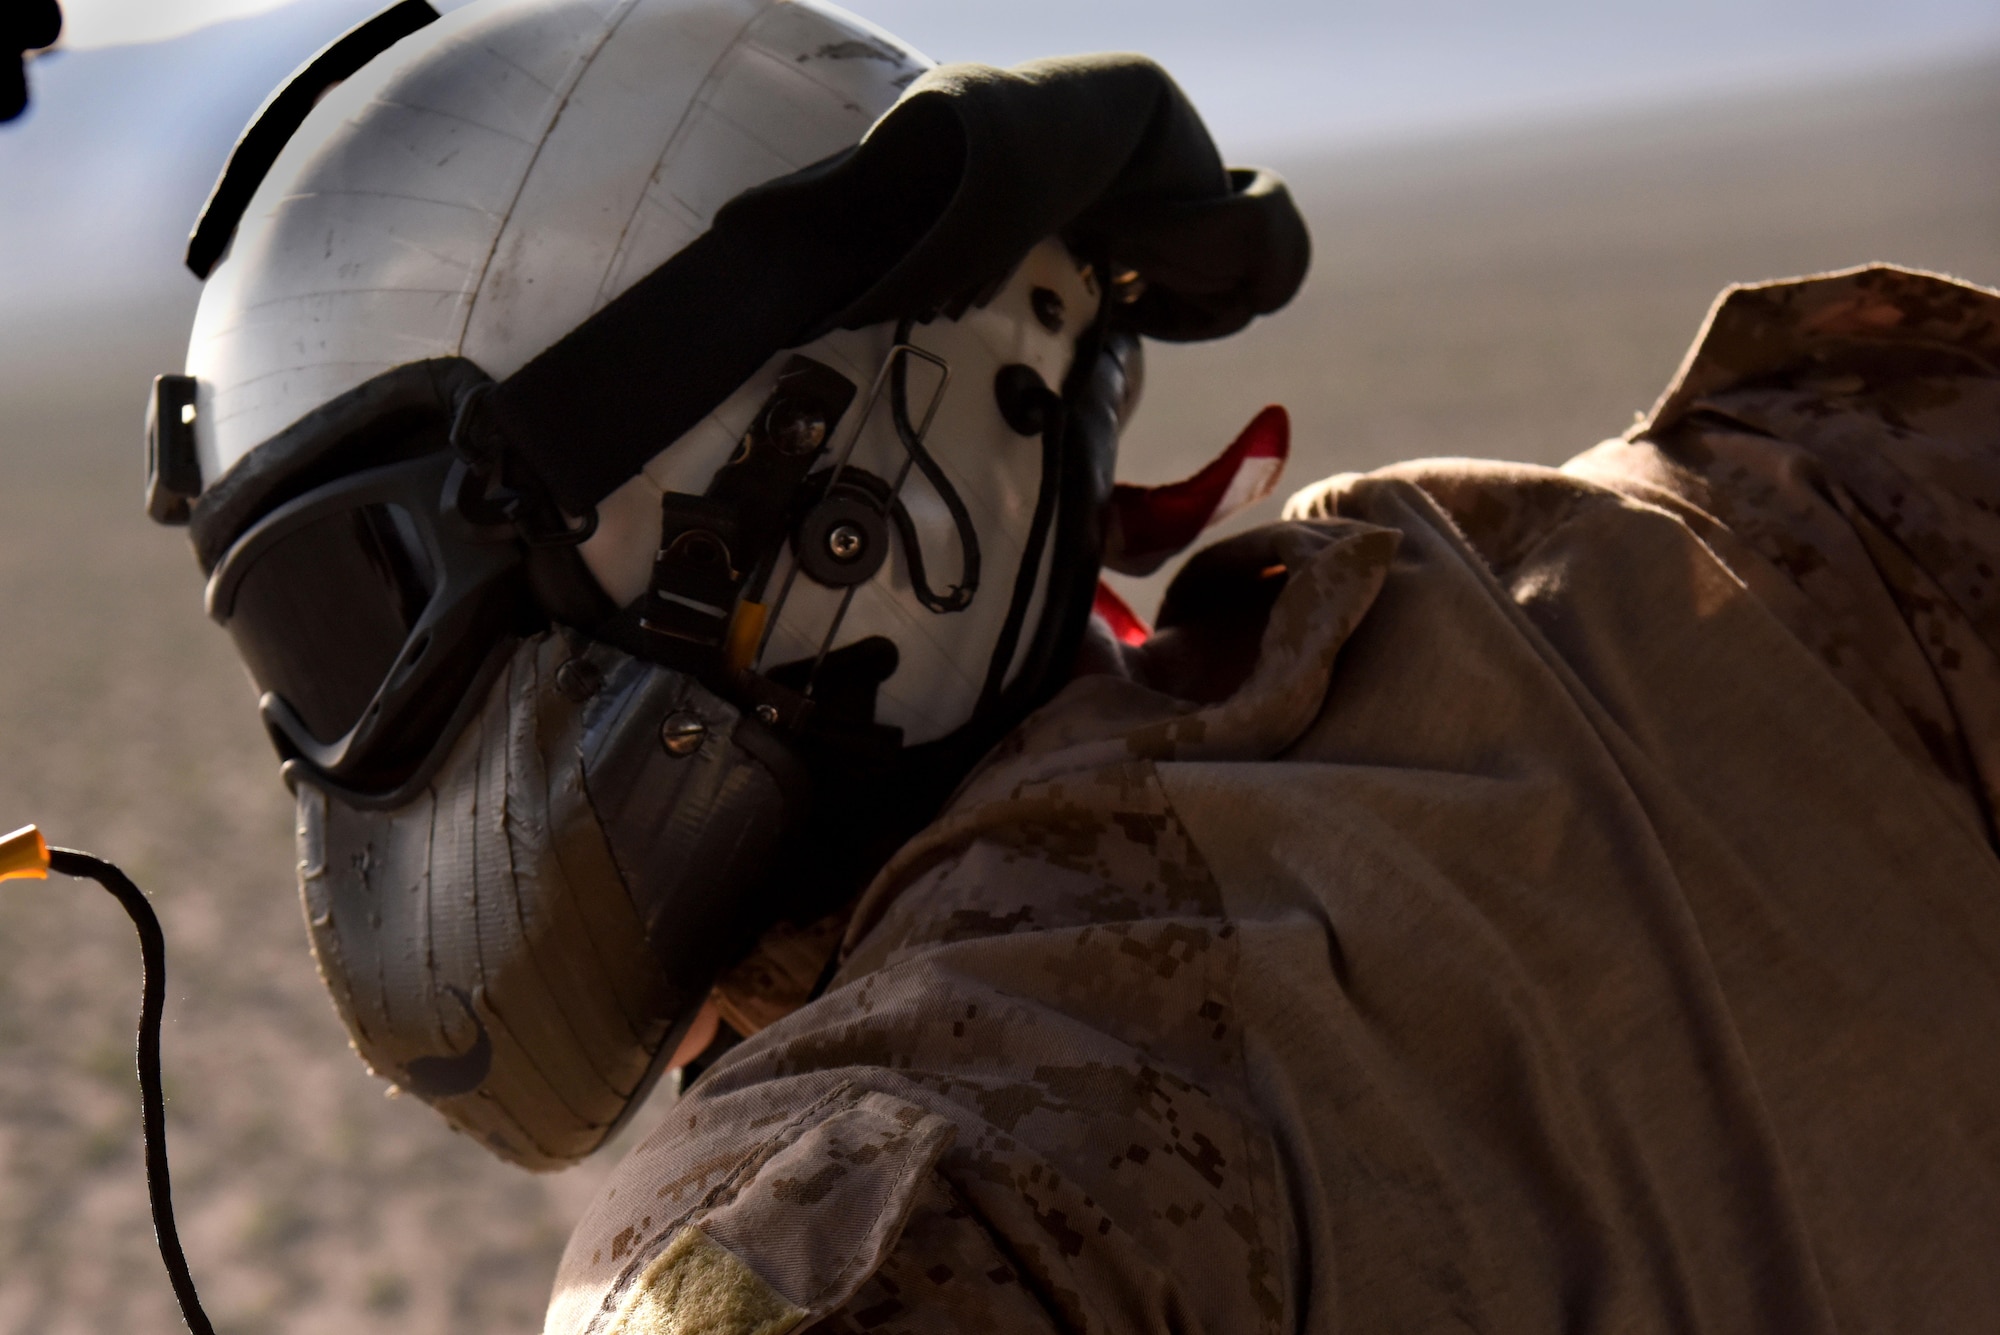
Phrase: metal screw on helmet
[845,542]
[579,679]
[767,713]
[683,733]
[795,428]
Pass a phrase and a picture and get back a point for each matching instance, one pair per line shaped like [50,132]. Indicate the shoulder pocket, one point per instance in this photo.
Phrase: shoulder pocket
[796,1234]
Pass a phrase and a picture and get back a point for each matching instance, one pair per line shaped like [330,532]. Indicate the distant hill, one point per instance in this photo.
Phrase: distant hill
[1280,73]
[1521,294]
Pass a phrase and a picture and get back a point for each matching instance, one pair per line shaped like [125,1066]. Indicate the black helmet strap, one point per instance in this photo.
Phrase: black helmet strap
[965,175]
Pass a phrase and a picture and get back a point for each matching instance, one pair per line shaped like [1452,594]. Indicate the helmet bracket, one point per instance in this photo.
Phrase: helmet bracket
[173,472]
[718,548]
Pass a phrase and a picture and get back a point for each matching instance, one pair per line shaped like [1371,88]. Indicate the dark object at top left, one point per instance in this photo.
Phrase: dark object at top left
[25,25]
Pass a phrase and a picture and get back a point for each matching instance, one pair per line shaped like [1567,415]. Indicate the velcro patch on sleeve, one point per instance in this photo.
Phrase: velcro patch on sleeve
[699,1287]
[819,1215]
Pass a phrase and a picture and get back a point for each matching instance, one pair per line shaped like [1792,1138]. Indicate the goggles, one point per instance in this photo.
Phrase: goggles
[368,611]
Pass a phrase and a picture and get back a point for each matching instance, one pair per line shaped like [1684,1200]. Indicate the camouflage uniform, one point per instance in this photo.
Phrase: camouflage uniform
[1582,914]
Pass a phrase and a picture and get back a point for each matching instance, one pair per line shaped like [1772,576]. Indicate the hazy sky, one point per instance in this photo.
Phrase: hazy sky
[1292,71]
[1303,70]
[93,23]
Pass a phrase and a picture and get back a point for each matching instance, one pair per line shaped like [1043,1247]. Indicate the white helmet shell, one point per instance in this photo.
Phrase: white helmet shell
[494,179]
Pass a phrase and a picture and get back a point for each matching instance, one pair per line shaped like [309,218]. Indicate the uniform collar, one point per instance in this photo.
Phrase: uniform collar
[1757,331]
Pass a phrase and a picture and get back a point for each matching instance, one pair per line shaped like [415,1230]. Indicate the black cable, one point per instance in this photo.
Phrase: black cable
[913,550]
[152,1099]
[1030,573]
[959,596]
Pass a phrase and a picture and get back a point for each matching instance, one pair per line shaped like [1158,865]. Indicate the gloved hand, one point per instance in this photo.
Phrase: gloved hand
[25,25]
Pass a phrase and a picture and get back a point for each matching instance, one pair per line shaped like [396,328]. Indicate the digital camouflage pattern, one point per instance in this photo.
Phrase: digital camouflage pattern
[1582,913]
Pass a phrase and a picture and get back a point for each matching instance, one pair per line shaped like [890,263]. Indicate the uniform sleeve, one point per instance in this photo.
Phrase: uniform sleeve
[1022,1108]
[1834,441]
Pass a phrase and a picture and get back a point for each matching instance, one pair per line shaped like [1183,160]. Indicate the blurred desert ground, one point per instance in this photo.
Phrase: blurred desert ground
[1516,294]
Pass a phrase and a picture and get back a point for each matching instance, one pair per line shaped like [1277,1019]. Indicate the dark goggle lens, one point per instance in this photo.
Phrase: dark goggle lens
[323,614]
